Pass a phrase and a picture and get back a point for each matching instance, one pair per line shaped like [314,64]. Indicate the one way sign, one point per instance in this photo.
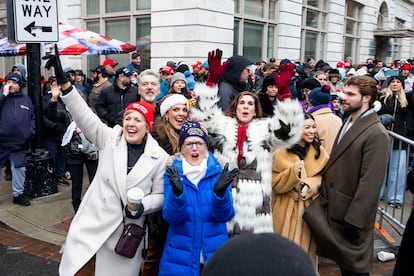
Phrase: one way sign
[36,21]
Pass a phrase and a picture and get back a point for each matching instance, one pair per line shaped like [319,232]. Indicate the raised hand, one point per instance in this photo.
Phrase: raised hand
[283,81]
[216,69]
[175,180]
[225,179]
[54,61]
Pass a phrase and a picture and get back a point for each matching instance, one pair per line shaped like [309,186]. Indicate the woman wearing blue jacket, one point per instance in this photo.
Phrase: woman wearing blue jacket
[197,204]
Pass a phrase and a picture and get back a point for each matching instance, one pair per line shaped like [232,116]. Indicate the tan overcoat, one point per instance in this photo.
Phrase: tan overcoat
[287,203]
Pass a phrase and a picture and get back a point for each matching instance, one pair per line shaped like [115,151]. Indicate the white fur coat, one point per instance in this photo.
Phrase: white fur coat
[252,188]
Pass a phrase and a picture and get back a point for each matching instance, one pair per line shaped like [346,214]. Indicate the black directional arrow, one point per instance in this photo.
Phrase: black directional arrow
[31,27]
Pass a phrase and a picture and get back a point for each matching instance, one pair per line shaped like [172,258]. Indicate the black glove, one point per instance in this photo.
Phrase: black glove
[351,232]
[54,61]
[175,180]
[137,215]
[283,132]
[224,180]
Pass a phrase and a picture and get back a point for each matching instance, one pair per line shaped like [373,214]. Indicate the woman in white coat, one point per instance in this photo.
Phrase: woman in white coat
[128,157]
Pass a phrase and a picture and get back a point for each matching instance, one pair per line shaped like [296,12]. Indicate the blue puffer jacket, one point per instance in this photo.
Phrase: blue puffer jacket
[197,221]
[17,126]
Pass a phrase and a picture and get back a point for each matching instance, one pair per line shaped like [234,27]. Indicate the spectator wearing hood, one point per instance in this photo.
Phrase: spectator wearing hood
[307,86]
[185,69]
[327,123]
[235,79]
[113,99]
[268,95]
[20,69]
[17,127]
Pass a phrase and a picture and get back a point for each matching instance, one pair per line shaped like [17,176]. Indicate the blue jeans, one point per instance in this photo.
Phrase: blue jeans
[397,174]
[18,177]
[58,155]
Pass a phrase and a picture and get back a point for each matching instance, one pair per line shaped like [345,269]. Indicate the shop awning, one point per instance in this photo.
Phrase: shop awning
[395,33]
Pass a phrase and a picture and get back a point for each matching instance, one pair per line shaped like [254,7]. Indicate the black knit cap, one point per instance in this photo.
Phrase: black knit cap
[311,83]
[266,254]
[267,81]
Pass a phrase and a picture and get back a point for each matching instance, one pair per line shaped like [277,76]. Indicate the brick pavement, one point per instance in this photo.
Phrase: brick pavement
[47,250]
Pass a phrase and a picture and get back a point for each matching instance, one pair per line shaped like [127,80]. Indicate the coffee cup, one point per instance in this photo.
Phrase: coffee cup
[135,196]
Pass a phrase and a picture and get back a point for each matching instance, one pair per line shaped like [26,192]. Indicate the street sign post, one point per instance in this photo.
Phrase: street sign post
[35,21]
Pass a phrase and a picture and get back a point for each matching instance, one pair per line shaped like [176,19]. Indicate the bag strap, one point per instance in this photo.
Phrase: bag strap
[122,209]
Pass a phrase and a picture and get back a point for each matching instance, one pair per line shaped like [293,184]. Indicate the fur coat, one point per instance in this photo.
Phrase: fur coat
[287,203]
[252,188]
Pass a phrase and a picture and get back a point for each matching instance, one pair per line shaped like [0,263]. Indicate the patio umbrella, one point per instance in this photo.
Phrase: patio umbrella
[74,41]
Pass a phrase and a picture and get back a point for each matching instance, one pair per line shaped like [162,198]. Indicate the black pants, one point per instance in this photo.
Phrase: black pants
[404,260]
[75,167]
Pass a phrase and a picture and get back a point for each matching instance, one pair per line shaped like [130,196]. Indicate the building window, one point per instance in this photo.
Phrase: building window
[143,42]
[143,4]
[255,22]
[314,15]
[117,5]
[92,6]
[133,25]
[352,29]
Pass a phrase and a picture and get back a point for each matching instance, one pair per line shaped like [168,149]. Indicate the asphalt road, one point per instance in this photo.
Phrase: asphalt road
[14,262]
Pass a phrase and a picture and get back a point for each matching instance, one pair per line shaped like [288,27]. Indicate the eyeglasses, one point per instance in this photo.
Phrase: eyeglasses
[189,145]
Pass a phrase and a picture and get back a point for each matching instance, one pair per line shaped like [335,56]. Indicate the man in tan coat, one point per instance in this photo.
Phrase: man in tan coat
[327,123]
[352,180]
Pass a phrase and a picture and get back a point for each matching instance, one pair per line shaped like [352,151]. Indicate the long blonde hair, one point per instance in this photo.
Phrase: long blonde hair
[401,96]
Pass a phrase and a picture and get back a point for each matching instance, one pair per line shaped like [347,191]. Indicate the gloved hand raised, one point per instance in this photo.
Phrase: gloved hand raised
[215,67]
[54,61]
[283,81]
[175,180]
[224,180]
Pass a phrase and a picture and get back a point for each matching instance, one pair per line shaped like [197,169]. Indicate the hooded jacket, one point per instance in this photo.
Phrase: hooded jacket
[230,84]
[17,126]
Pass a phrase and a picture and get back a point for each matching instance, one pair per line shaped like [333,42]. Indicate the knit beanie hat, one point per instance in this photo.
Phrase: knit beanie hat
[266,254]
[171,101]
[15,77]
[178,76]
[192,129]
[311,83]
[320,95]
[398,77]
[267,81]
[145,109]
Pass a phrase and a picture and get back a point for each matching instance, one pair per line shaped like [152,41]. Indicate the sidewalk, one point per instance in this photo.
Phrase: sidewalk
[41,229]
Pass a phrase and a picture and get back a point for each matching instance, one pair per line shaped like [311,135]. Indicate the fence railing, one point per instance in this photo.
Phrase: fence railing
[396,217]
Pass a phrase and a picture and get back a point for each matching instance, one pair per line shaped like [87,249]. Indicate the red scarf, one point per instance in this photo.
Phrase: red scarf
[241,138]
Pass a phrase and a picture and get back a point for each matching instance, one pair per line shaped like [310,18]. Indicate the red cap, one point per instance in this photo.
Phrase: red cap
[109,61]
[197,64]
[146,109]
[167,69]
[347,64]
[340,64]
[406,66]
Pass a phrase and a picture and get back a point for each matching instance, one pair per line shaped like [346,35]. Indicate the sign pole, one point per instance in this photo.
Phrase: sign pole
[33,88]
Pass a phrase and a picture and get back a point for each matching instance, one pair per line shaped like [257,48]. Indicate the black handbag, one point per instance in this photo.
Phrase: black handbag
[130,239]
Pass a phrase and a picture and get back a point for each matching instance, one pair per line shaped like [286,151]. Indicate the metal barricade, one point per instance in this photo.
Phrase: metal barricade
[389,214]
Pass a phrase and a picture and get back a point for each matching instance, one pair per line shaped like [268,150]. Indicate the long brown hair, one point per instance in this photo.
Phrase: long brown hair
[235,102]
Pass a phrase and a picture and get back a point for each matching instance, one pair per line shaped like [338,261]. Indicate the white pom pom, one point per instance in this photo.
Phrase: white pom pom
[377,106]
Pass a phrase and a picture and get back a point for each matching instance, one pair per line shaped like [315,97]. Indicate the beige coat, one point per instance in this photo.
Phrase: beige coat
[328,126]
[287,203]
[97,225]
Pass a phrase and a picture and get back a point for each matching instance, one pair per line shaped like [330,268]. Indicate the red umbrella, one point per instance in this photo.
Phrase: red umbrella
[75,41]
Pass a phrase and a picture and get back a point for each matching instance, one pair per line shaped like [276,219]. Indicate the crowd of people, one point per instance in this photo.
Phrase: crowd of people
[221,150]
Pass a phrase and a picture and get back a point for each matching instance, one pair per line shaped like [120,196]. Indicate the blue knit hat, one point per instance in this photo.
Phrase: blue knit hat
[192,129]
[320,95]
[16,78]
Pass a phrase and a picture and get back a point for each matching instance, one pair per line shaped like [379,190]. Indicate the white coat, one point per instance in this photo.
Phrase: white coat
[98,224]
